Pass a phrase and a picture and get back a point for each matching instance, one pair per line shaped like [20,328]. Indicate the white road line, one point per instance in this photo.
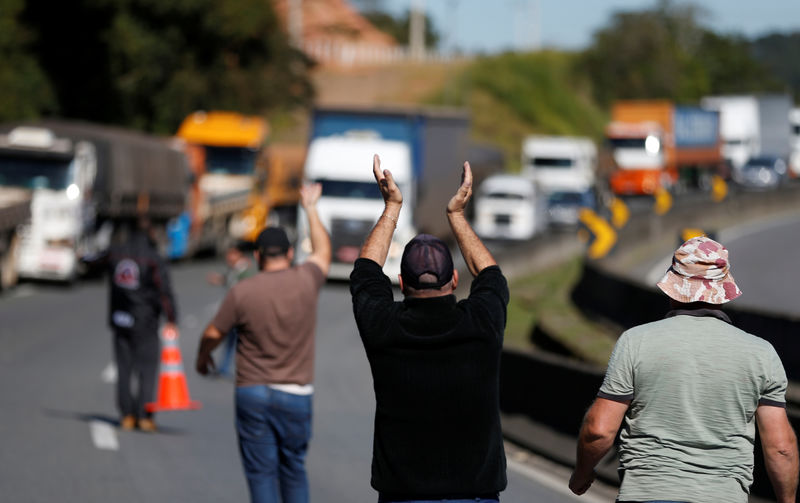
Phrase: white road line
[109,374]
[551,482]
[103,436]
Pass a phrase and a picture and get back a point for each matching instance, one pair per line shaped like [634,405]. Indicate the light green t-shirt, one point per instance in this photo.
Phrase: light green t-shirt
[694,383]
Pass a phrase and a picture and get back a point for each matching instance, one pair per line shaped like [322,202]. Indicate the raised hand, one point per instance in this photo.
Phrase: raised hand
[459,201]
[309,194]
[389,190]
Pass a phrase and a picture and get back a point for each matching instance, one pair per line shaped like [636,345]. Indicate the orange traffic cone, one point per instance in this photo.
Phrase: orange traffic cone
[173,392]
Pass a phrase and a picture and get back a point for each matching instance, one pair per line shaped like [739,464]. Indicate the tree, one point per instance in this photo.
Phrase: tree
[25,91]
[148,63]
[665,52]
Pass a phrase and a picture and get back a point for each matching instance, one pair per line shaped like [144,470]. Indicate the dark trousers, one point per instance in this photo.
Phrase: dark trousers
[136,353]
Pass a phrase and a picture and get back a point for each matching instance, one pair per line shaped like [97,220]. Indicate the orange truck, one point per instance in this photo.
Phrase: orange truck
[227,155]
[655,144]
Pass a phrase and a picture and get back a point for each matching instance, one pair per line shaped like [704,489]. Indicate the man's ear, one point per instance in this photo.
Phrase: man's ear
[400,280]
[290,254]
[455,279]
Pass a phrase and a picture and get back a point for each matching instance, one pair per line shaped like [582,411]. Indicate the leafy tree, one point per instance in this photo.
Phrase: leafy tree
[25,91]
[148,63]
[778,52]
[665,52]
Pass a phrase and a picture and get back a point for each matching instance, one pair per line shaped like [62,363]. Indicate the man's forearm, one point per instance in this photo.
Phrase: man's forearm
[590,452]
[320,240]
[782,468]
[476,255]
[376,246]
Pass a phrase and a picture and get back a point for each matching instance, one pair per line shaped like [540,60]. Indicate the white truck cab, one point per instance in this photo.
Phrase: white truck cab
[60,175]
[509,207]
[351,201]
[560,163]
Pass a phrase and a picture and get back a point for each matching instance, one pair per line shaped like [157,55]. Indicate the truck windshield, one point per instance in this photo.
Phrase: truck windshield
[504,195]
[551,162]
[637,143]
[33,173]
[231,160]
[350,189]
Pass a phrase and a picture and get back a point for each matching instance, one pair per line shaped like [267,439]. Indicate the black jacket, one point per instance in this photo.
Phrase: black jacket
[435,366]
[140,289]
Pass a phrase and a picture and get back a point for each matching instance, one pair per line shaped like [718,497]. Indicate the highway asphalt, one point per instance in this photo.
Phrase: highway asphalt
[59,424]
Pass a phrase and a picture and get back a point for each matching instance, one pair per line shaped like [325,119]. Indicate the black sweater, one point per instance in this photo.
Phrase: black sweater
[435,366]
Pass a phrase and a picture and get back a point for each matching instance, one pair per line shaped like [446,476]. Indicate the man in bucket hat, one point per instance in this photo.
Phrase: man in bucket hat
[689,391]
[435,362]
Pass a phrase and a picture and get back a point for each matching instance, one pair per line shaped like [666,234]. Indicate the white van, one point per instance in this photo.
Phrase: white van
[509,207]
[560,163]
[351,201]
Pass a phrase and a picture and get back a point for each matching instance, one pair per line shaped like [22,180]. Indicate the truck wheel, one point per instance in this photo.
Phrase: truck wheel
[8,263]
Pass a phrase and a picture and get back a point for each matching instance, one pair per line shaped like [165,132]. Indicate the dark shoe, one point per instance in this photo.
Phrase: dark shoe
[147,425]
[128,423]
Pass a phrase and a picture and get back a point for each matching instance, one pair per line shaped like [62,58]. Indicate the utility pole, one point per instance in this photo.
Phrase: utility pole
[416,30]
[295,22]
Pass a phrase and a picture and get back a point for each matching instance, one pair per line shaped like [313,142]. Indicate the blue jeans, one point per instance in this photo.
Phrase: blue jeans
[274,429]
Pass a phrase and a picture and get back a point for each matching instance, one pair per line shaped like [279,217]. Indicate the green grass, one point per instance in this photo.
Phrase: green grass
[543,298]
[514,95]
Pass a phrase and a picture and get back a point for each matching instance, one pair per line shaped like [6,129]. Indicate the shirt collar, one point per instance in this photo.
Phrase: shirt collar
[430,302]
[702,312]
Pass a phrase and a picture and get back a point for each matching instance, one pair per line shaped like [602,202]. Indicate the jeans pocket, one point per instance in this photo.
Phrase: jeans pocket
[251,406]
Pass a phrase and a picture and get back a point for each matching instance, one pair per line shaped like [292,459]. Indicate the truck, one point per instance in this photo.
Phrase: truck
[794,159]
[752,126]
[341,145]
[560,163]
[509,207]
[84,178]
[15,210]
[656,144]
[227,155]
[565,170]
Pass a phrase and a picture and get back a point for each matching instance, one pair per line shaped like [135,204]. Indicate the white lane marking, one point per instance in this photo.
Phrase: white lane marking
[109,374]
[21,291]
[103,436]
[552,482]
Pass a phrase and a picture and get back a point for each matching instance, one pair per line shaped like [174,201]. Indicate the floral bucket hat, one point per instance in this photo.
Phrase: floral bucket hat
[700,272]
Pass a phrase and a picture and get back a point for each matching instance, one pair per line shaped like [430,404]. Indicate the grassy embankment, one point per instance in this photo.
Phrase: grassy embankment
[510,97]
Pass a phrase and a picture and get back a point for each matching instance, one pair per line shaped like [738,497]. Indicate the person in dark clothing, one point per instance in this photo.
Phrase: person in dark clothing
[435,362]
[140,292]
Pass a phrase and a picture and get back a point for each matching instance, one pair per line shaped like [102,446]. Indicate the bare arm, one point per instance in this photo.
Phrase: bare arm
[597,435]
[376,246]
[210,340]
[320,240]
[475,254]
[780,451]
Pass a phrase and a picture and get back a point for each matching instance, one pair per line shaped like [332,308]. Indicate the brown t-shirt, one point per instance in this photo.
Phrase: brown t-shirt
[275,316]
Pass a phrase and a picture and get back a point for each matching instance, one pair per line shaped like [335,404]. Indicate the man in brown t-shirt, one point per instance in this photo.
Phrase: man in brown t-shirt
[275,314]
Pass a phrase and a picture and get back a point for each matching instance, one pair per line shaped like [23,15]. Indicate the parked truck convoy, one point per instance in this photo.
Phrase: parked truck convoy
[226,154]
[752,126]
[655,144]
[423,147]
[83,178]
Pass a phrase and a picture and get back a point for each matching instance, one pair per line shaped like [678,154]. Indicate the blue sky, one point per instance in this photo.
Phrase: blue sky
[495,25]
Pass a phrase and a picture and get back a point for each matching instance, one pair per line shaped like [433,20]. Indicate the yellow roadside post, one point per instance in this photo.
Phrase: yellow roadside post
[605,237]
[719,189]
[663,201]
[619,213]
